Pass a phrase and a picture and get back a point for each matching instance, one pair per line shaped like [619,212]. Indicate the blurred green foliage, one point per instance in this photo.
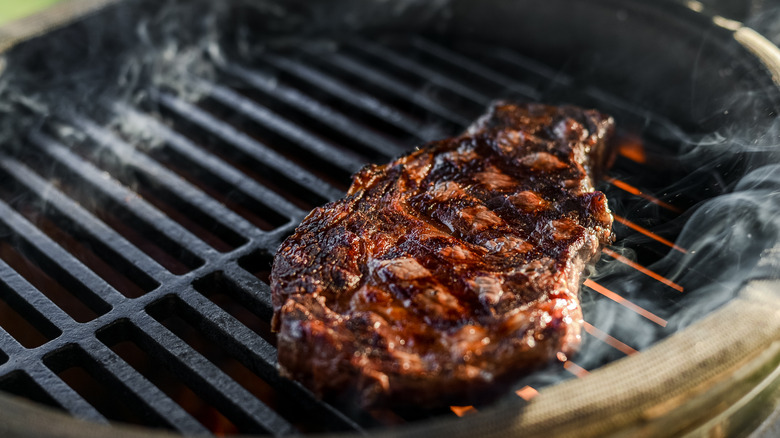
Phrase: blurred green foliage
[12,9]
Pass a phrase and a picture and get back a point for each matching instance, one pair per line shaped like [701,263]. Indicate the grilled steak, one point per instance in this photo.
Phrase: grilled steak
[451,269]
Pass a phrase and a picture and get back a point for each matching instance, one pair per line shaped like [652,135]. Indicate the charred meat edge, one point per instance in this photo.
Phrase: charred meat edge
[452,270]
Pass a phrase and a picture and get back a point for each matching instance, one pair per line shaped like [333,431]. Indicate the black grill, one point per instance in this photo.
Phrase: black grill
[134,274]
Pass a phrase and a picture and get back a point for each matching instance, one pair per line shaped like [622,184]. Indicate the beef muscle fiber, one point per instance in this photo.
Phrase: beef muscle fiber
[448,271]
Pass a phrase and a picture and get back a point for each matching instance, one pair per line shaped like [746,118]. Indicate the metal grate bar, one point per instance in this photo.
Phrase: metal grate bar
[120,195]
[254,149]
[139,388]
[310,401]
[42,307]
[9,344]
[383,80]
[181,188]
[57,255]
[457,59]
[210,382]
[255,353]
[610,102]
[643,194]
[228,332]
[596,287]
[643,270]
[249,281]
[415,67]
[608,339]
[365,94]
[344,159]
[92,225]
[352,96]
[215,165]
[62,394]
[327,114]
[520,62]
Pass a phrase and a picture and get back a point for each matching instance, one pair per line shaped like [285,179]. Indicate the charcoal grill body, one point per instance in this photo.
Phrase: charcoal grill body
[652,65]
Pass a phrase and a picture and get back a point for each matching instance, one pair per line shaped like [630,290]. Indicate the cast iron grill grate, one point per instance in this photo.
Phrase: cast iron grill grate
[134,276]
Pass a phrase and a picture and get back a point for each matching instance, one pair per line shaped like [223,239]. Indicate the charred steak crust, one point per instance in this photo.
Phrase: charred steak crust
[450,269]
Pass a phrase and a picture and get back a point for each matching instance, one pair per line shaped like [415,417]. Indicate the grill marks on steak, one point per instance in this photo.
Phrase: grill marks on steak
[450,269]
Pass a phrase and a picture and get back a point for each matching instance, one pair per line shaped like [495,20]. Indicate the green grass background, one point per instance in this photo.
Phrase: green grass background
[12,9]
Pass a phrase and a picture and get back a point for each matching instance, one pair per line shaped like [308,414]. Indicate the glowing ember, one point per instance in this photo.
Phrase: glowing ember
[633,149]
[527,393]
[463,410]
